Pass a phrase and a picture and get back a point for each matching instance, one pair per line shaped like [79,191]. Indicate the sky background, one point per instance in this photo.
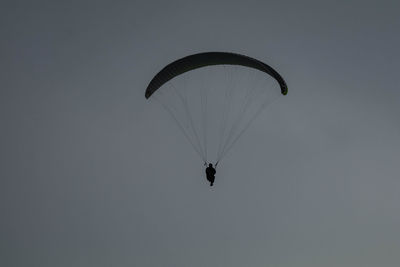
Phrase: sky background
[92,174]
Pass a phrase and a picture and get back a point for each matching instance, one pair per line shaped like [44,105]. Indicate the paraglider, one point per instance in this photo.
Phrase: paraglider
[210,173]
[213,98]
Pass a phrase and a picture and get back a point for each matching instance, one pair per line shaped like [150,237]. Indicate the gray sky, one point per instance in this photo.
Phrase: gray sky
[94,175]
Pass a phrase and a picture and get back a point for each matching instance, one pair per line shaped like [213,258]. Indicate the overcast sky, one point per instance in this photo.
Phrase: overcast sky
[92,174]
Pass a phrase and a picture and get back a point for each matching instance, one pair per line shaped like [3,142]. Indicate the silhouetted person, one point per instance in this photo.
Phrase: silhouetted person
[210,172]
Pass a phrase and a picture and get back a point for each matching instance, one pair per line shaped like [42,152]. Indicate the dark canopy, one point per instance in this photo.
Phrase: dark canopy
[208,59]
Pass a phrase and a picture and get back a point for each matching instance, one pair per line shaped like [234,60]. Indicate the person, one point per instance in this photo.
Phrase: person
[210,172]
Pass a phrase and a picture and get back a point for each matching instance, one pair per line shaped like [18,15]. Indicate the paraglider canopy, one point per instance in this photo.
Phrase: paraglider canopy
[208,59]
